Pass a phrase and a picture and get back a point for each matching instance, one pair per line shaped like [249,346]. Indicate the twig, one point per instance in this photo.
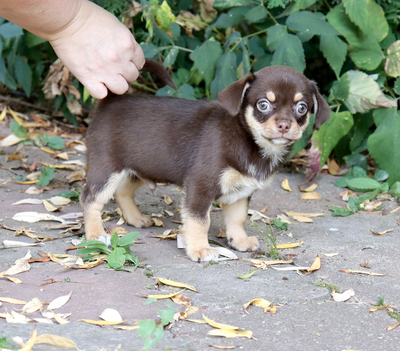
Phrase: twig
[24,103]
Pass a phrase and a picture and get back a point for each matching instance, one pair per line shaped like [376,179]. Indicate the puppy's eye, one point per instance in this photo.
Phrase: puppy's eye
[264,105]
[301,108]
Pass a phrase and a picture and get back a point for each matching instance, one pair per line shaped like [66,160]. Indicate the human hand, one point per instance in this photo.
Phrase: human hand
[99,51]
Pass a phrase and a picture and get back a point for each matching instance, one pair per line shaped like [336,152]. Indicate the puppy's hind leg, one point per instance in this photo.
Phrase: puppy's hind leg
[93,199]
[235,215]
[124,196]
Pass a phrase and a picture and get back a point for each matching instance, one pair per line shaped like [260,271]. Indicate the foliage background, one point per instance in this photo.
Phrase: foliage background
[351,48]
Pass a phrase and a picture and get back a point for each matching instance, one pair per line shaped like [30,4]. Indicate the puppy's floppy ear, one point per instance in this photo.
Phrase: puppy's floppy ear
[321,107]
[231,97]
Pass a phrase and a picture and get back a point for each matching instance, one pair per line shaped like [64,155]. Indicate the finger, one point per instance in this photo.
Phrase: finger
[130,72]
[138,56]
[118,85]
[97,90]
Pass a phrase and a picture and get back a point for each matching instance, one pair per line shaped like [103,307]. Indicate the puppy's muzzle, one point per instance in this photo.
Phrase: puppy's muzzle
[283,126]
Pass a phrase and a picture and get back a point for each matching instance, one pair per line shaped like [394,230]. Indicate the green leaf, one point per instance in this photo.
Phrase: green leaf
[354,204]
[342,182]
[244,44]
[186,91]
[150,300]
[256,14]
[146,327]
[359,172]
[297,6]
[363,184]
[205,58]
[275,35]
[364,48]
[32,40]
[248,275]
[10,30]
[54,141]
[18,130]
[164,16]
[290,53]
[362,125]
[340,211]
[88,250]
[397,86]
[132,258]
[325,139]
[255,47]
[334,50]
[128,239]
[364,93]
[171,57]
[225,74]
[46,175]
[149,50]
[313,23]
[114,240]
[381,175]
[395,189]
[167,316]
[23,74]
[368,16]
[5,76]
[263,61]
[366,54]
[384,145]
[279,224]
[227,4]
[230,19]
[392,64]
[69,194]
[116,259]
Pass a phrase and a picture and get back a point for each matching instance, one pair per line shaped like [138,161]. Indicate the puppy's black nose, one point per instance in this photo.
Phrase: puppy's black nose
[283,126]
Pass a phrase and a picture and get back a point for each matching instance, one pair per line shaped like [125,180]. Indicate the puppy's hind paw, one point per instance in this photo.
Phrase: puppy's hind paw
[106,239]
[245,244]
[204,254]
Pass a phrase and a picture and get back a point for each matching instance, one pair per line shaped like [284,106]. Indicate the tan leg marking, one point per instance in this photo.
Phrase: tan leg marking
[235,215]
[195,232]
[124,196]
[93,223]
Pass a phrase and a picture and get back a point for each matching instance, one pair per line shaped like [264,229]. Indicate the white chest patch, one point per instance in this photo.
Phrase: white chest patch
[235,186]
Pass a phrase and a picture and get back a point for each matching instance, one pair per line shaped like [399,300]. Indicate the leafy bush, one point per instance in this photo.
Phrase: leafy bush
[351,48]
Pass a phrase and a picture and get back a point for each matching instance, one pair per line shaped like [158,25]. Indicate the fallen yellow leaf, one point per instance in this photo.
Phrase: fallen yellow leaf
[289,246]
[181,300]
[14,280]
[176,284]
[52,152]
[395,325]
[3,114]
[160,297]
[331,254]
[49,207]
[285,185]
[219,325]
[199,321]
[31,341]
[158,222]
[168,200]
[373,309]
[350,271]
[55,340]
[309,215]
[257,302]
[310,189]
[127,327]
[381,233]
[223,347]
[118,230]
[316,265]
[302,219]
[311,196]
[72,167]
[27,182]
[333,167]
[231,333]
[100,323]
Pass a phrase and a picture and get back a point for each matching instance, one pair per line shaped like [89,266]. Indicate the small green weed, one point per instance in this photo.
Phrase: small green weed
[150,331]
[270,238]
[395,315]
[5,344]
[381,302]
[119,253]
[330,287]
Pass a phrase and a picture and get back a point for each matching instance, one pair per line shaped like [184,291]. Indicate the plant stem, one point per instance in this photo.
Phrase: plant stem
[272,17]
[144,87]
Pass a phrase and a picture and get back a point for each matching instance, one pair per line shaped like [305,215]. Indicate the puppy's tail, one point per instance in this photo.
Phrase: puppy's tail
[159,70]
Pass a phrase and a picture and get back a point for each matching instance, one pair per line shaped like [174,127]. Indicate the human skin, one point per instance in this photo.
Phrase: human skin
[95,46]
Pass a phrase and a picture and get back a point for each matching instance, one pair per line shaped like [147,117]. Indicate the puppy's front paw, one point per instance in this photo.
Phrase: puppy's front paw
[143,221]
[245,244]
[206,253]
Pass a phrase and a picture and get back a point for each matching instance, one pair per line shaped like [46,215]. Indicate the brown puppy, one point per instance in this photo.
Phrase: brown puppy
[220,150]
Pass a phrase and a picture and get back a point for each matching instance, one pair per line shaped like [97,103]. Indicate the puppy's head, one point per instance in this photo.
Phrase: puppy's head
[276,103]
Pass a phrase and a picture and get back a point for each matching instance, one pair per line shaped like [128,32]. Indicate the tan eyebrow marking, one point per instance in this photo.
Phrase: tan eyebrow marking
[271,96]
[298,97]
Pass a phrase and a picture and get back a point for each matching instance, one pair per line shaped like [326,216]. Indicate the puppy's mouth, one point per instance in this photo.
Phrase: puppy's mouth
[280,141]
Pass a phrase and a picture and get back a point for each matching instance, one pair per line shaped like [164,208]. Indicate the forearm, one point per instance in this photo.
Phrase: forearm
[45,18]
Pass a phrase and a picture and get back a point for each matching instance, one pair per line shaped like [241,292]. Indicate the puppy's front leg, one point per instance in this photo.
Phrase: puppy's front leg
[195,231]
[235,215]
